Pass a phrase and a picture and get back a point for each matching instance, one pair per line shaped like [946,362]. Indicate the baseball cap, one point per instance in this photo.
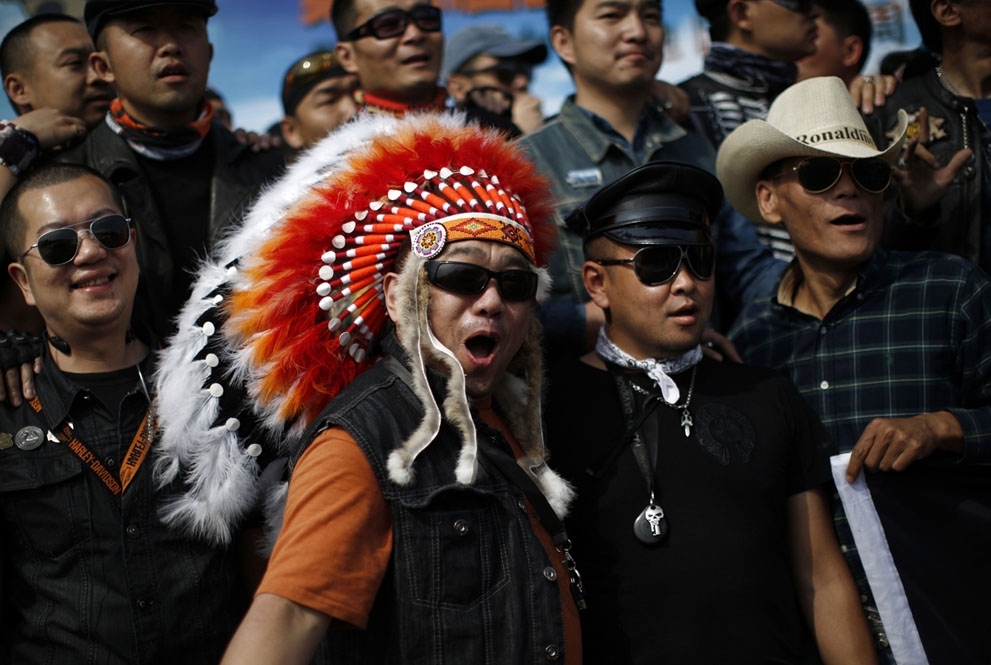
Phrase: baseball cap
[490,39]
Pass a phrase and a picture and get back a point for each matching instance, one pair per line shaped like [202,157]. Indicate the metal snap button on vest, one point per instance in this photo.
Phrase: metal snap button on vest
[550,573]
[551,652]
[461,527]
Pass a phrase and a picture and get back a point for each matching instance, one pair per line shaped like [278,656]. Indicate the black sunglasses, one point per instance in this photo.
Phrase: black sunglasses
[658,264]
[393,22]
[468,279]
[820,174]
[60,246]
[505,72]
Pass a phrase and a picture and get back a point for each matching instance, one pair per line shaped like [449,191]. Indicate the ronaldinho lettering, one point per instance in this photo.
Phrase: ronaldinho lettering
[849,133]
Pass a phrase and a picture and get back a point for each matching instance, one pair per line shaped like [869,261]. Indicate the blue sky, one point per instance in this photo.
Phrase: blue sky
[255,41]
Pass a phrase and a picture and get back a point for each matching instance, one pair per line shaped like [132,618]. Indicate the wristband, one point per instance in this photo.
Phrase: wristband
[18,148]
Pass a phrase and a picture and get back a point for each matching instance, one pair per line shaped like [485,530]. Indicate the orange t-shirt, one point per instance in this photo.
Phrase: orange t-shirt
[336,539]
[333,551]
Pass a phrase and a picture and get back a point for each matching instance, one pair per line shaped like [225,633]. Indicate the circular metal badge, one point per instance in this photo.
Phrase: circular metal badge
[29,438]
[429,240]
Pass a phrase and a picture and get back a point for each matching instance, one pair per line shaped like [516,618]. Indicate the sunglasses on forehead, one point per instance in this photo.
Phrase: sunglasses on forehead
[468,279]
[60,246]
[308,68]
[658,264]
[820,174]
[393,22]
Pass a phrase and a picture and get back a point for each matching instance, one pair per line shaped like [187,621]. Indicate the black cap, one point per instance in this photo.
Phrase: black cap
[98,12]
[657,203]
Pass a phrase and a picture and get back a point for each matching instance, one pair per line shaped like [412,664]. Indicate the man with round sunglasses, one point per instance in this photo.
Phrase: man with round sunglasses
[893,351]
[700,484]
[90,572]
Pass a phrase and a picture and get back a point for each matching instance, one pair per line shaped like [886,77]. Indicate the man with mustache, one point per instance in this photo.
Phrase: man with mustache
[184,178]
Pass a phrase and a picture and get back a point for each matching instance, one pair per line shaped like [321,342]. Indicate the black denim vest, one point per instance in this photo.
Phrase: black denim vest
[467,582]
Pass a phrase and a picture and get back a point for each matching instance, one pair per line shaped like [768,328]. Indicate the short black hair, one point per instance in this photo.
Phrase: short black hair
[47,175]
[17,53]
[717,14]
[849,18]
[562,13]
[928,26]
[342,15]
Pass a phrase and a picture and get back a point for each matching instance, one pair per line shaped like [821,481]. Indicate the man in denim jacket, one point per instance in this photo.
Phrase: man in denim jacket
[608,127]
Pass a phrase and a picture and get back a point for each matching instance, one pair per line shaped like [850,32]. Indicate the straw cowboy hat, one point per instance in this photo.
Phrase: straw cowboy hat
[813,118]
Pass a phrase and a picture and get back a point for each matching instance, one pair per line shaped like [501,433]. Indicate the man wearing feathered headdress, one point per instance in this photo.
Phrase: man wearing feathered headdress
[420,507]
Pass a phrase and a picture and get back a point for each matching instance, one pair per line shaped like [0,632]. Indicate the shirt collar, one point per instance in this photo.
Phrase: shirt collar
[596,135]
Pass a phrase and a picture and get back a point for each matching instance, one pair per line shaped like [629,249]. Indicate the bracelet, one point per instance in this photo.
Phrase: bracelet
[18,148]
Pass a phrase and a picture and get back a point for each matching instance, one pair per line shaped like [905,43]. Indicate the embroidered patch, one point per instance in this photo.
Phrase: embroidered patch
[725,433]
[937,128]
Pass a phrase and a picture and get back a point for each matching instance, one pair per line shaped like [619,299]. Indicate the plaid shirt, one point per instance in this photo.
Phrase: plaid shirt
[913,336]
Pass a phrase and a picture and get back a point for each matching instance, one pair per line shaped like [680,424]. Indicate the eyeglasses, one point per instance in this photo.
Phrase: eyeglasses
[393,22]
[468,279]
[658,264]
[60,246]
[505,72]
[820,174]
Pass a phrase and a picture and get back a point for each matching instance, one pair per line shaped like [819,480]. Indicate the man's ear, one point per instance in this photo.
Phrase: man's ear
[17,89]
[739,15]
[391,299]
[290,133]
[100,63]
[563,43]
[595,279]
[19,274]
[945,12]
[767,201]
[458,86]
[345,55]
[853,48]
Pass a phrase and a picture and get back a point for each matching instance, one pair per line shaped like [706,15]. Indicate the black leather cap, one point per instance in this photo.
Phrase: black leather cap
[98,12]
[657,203]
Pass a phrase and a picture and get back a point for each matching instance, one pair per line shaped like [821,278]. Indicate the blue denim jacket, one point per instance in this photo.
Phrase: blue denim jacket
[93,578]
[468,580]
[579,157]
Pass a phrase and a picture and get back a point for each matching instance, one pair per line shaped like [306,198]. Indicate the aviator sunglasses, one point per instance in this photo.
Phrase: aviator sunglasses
[820,174]
[505,71]
[393,22]
[658,264]
[60,246]
[468,279]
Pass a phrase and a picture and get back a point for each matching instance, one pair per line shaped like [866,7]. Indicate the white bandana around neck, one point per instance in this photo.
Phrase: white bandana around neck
[658,370]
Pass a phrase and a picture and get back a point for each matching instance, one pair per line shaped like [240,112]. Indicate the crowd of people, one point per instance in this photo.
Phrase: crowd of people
[694,373]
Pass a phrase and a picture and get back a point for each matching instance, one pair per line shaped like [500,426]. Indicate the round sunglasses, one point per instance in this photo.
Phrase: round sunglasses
[393,22]
[468,279]
[820,174]
[60,246]
[658,264]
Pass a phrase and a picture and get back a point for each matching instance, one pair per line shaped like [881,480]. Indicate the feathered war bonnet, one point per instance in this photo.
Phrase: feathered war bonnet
[305,308]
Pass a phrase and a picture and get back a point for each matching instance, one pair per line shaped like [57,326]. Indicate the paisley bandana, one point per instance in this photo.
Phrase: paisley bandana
[658,370]
[161,143]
